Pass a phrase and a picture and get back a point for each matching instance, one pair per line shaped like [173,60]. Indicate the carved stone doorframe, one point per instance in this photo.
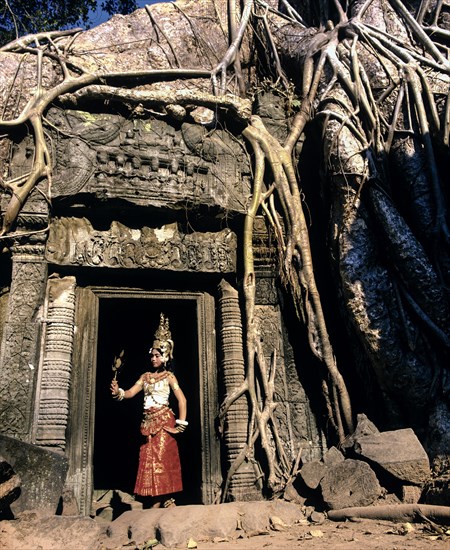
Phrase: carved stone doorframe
[81,422]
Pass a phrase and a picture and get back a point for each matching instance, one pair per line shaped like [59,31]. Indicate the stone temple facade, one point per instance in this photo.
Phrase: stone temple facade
[146,216]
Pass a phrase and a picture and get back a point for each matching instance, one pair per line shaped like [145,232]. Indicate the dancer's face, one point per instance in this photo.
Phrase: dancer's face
[156,358]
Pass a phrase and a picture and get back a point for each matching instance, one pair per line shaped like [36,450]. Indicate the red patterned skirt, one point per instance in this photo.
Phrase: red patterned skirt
[159,471]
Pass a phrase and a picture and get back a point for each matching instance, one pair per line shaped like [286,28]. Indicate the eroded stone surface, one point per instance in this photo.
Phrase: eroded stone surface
[42,473]
[397,452]
[349,483]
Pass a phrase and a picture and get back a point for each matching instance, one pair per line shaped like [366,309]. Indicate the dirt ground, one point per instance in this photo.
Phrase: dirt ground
[364,534]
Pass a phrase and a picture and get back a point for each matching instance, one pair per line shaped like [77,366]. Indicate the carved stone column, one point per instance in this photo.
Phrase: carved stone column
[52,403]
[243,485]
[296,423]
[19,349]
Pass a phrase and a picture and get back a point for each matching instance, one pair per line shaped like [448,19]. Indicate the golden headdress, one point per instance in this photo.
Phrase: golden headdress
[163,339]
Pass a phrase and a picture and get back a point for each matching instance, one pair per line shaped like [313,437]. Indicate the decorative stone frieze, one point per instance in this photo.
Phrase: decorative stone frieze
[143,161]
[73,241]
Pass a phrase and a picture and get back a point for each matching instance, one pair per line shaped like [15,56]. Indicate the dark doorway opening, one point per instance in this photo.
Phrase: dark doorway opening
[129,323]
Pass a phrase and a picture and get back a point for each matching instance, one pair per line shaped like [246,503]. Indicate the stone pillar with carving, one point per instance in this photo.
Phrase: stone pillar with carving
[297,425]
[243,485]
[20,345]
[52,400]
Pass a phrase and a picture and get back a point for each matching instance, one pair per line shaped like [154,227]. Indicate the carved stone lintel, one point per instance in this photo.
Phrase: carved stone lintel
[142,161]
[73,241]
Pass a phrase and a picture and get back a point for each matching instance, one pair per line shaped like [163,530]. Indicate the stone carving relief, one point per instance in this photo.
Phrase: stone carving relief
[304,422]
[73,241]
[266,291]
[272,109]
[19,344]
[267,319]
[296,423]
[143,161]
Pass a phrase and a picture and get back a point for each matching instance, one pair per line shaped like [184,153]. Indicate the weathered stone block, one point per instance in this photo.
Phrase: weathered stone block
[42,472]
[349,483]
[312,473]
[332,456]
[9,484]
[37,530]
[363,427]
[410,494]
[397,452]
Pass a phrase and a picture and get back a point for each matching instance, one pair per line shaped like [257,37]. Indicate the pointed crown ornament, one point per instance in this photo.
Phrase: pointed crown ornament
[163,339]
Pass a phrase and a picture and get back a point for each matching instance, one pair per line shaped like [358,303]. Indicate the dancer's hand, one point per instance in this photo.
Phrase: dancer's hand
[114,387]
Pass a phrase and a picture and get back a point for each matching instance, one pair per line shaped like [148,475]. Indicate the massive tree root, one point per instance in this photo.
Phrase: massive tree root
[408,304]
[394,512]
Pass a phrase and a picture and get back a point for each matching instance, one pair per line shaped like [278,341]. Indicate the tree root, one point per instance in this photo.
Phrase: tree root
[394,512]
[300,274]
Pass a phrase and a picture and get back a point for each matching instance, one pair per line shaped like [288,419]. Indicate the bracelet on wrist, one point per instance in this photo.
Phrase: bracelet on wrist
[181,422]
[120,394]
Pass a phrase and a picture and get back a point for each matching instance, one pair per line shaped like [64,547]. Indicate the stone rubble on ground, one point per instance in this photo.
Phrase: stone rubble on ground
[374,468]
[349,483]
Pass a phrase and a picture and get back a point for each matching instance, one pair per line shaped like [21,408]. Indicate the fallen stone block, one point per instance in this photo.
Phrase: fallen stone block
[42,472]
[36,530]
[292,495]
[333,456]
[410,494]
[363,427]
[349,483]
[9,484]
[397,452]
[312,473]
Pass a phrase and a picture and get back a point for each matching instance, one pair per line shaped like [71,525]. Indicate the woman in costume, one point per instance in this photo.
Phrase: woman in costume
[159,472]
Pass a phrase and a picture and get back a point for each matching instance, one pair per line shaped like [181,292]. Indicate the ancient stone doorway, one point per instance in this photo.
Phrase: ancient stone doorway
[105,438]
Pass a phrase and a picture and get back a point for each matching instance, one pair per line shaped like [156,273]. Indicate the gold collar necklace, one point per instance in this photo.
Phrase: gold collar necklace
[157,376]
